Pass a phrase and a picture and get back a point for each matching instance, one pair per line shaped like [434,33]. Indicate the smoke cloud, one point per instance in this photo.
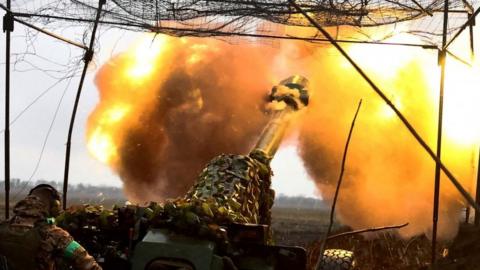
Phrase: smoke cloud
[205,98]
[198,98]
[389,177]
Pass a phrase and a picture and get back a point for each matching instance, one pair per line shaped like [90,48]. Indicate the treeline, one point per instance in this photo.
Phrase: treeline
[77,193]
[282,201]
[109,195]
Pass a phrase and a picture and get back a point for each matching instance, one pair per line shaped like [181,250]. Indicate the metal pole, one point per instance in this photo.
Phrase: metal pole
[81,46]
[318,264]
[472,47]
[436,196]
[477,197]
[7,28]
[467,214]
[87,58]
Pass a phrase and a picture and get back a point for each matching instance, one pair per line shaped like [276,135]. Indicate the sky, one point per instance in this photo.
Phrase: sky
[44,124]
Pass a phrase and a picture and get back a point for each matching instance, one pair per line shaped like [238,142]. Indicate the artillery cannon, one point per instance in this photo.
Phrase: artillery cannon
[223,222]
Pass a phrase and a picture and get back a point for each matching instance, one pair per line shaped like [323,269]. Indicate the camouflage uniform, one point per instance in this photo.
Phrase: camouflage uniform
[30,231]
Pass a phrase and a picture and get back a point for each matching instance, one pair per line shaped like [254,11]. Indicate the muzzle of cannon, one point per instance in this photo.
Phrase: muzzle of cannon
[286,98]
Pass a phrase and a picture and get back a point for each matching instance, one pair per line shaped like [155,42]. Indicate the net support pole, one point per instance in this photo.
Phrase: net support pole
[436,195]
[477,196]
[470,28]
[8,29]
[51,34]
[87,59]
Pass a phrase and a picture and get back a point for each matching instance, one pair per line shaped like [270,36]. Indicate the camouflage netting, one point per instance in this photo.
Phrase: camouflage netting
[231,189]
[328,13]
[251,18]
[236,187]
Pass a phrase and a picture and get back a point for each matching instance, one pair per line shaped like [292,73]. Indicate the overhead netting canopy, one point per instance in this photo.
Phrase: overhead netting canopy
[254,17]
[328,13]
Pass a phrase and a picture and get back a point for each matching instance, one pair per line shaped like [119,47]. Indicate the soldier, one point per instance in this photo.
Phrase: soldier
[30,240]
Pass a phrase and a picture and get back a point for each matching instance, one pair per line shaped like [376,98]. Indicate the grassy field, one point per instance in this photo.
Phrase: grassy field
[294,226]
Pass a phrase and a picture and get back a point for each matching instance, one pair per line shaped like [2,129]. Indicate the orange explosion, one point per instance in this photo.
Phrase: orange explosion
[389,177]
[127,79]
[170,105]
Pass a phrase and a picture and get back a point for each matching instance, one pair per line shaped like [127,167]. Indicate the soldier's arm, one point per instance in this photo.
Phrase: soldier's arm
[79,257]
[70,251]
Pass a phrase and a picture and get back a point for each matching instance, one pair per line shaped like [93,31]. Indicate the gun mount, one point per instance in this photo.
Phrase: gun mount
[223,222]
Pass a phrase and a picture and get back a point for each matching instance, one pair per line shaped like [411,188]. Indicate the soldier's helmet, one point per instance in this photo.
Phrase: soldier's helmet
[49,196]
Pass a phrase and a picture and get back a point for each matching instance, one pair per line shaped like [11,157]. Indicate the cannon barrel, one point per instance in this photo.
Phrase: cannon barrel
[286,98]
